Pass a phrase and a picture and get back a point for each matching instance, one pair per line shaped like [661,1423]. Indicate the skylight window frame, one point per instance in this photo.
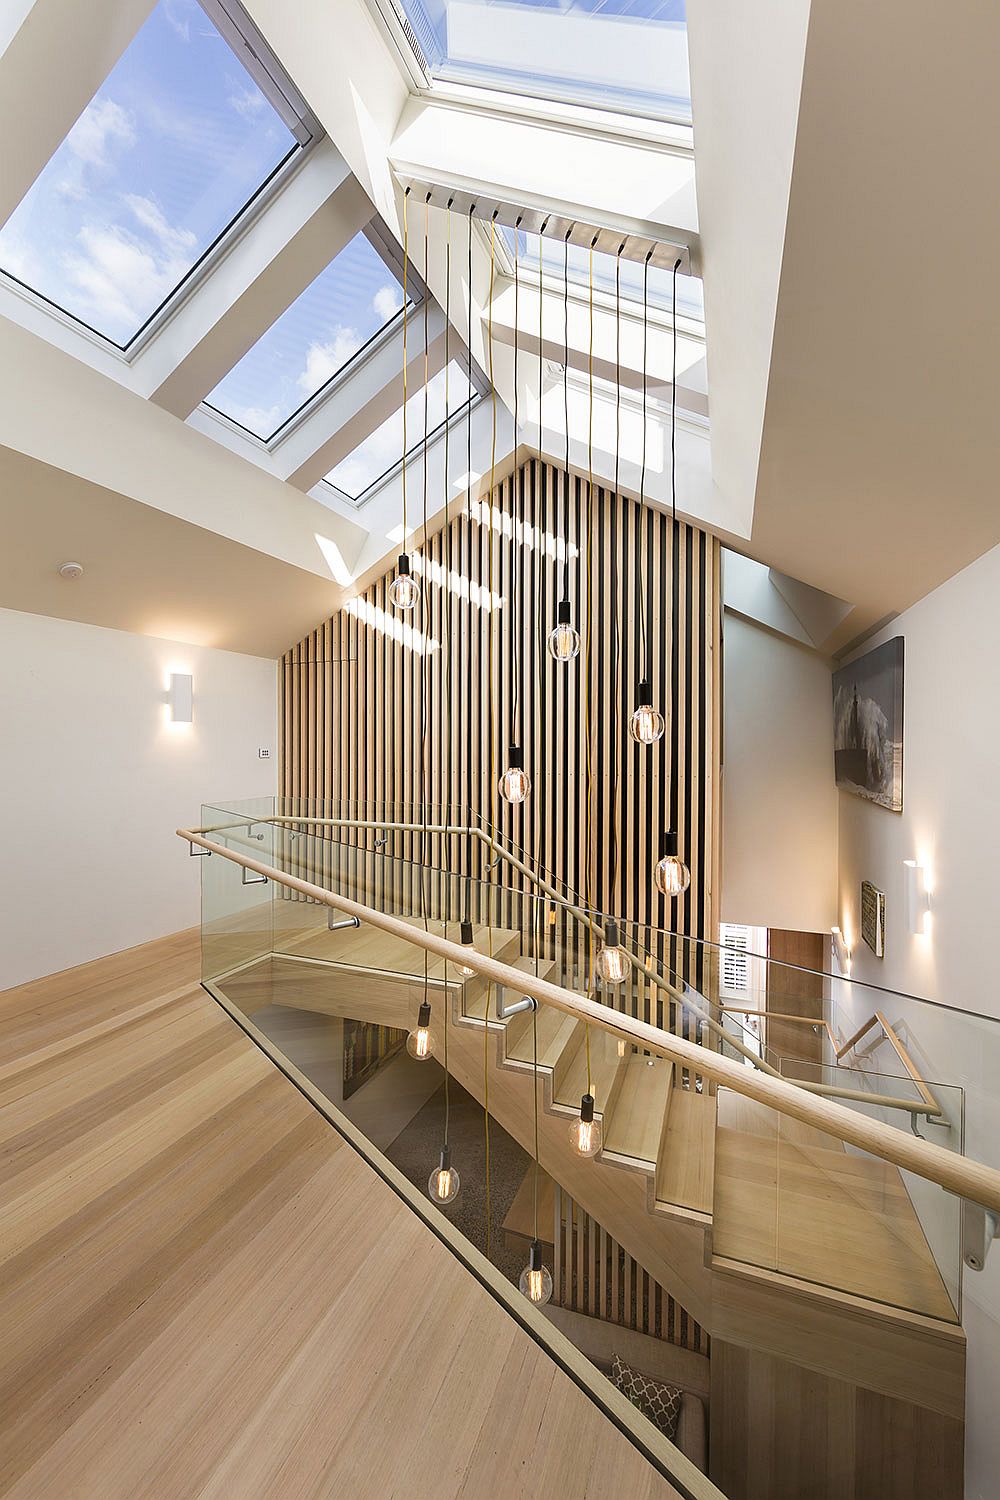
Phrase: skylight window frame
[250,49]
[384,244]
[480,390]
[508,98]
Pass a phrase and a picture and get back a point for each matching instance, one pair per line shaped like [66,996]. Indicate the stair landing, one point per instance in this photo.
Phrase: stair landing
[792,1199]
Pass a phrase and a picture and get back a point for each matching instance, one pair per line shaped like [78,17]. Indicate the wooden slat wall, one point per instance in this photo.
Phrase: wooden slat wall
[353,694]
[593,1274]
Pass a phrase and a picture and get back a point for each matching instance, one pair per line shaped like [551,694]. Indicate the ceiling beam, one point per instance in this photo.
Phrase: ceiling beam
[92,427]
[281,251]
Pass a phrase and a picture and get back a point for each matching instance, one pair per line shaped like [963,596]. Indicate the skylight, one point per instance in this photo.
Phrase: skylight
[616,54]
[347,305]
[171,149]
[376,457]
[690,290]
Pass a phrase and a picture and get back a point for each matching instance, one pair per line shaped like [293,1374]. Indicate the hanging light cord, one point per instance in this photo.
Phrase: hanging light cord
[446,677]
[425,610]
[616,627]
[492,731]
[588,695]
[468,484]
[565,592]
[674,561]
[406,263]
[514,735]
[645,665]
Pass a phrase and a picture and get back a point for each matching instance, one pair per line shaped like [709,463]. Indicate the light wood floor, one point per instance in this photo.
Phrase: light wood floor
[205,1293]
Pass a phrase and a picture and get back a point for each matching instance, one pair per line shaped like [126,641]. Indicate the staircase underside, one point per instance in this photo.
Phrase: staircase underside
[206,1292]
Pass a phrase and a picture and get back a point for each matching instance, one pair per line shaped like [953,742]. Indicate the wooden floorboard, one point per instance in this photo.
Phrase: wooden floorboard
[205,1292]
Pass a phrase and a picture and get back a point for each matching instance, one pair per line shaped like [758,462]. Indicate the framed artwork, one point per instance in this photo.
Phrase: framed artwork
[868,725]
[873,917]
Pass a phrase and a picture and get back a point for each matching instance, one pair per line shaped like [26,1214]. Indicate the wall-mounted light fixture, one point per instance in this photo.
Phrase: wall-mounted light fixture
[917,895]
[180,696]
[842,951]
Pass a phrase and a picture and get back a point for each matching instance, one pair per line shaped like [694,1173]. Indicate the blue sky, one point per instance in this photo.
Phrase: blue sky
[341,310]
[169,150]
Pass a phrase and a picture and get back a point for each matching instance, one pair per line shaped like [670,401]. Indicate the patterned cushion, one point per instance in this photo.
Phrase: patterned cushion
[659,1402]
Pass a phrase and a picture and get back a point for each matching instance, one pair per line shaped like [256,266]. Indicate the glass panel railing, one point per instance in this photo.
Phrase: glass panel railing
[236,905]
[791,1021]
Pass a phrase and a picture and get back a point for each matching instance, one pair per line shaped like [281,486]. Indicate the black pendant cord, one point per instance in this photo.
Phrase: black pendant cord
[645,669]
[565,589]
[616,631]
[675,565]
[514,728]
[446,676]
[425,609]
[468,496]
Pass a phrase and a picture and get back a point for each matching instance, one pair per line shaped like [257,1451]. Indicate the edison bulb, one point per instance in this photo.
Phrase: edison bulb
[514,784]
[444,1182]
[536,1279]
[404,590]
[418,1043]
[563,642]
[671,875]
[646,725]
[585,1132]
[612,963]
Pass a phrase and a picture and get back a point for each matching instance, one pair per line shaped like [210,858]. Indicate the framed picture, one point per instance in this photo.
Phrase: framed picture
[868,725]
[873,917]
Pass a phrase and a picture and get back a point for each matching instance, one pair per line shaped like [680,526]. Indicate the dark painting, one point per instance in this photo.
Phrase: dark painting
[868,725]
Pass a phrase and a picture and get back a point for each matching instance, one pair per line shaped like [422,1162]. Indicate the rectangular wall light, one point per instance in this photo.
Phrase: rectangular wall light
[180,696]
[918,900]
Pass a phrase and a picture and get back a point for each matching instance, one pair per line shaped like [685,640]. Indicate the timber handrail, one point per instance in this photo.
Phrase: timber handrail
[643,966]
[968,1179]
[929,1104]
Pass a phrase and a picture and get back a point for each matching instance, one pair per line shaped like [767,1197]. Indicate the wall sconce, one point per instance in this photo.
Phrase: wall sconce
[918,897]
[842,951]
[180,696]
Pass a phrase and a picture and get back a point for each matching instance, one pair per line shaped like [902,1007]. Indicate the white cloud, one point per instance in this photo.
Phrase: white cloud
[102,124]
[386,301]
[259,419]
[324,360]
[180,22]
[123,279]
[247,100]
[150,215]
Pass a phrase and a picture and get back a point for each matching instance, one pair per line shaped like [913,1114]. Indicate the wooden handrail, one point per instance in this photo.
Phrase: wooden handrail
[641,966]
[896,1043]
[928,1104]
[968,1179]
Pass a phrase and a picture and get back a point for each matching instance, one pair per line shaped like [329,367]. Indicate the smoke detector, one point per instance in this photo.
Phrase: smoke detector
[71,570]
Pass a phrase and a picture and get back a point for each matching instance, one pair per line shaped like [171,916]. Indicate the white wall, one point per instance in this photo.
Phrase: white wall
[951,821]
[95,780]
[779,799]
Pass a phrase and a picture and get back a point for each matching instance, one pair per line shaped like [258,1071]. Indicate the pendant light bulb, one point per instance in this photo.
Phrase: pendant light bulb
[563,638]
[536,1279]
[404,590]
[514,785]
[671,874]
[466,941]
[646,726]
[444,1182]
[585,1132]
[612,963]
[418,1043]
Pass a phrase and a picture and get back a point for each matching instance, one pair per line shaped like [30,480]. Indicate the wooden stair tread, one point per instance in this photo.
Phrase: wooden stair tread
[477,993]
[686,1164]
[520,1218]
[569,1082]
[820,1213]
[555,1029]
[635,1123]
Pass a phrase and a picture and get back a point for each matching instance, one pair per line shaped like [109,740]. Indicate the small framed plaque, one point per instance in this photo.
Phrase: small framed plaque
[873,917]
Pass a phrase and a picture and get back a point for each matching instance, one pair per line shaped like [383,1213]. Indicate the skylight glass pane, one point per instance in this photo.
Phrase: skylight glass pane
[616,54]
[337,315]
[690,289]
[379,454]
[170,150]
